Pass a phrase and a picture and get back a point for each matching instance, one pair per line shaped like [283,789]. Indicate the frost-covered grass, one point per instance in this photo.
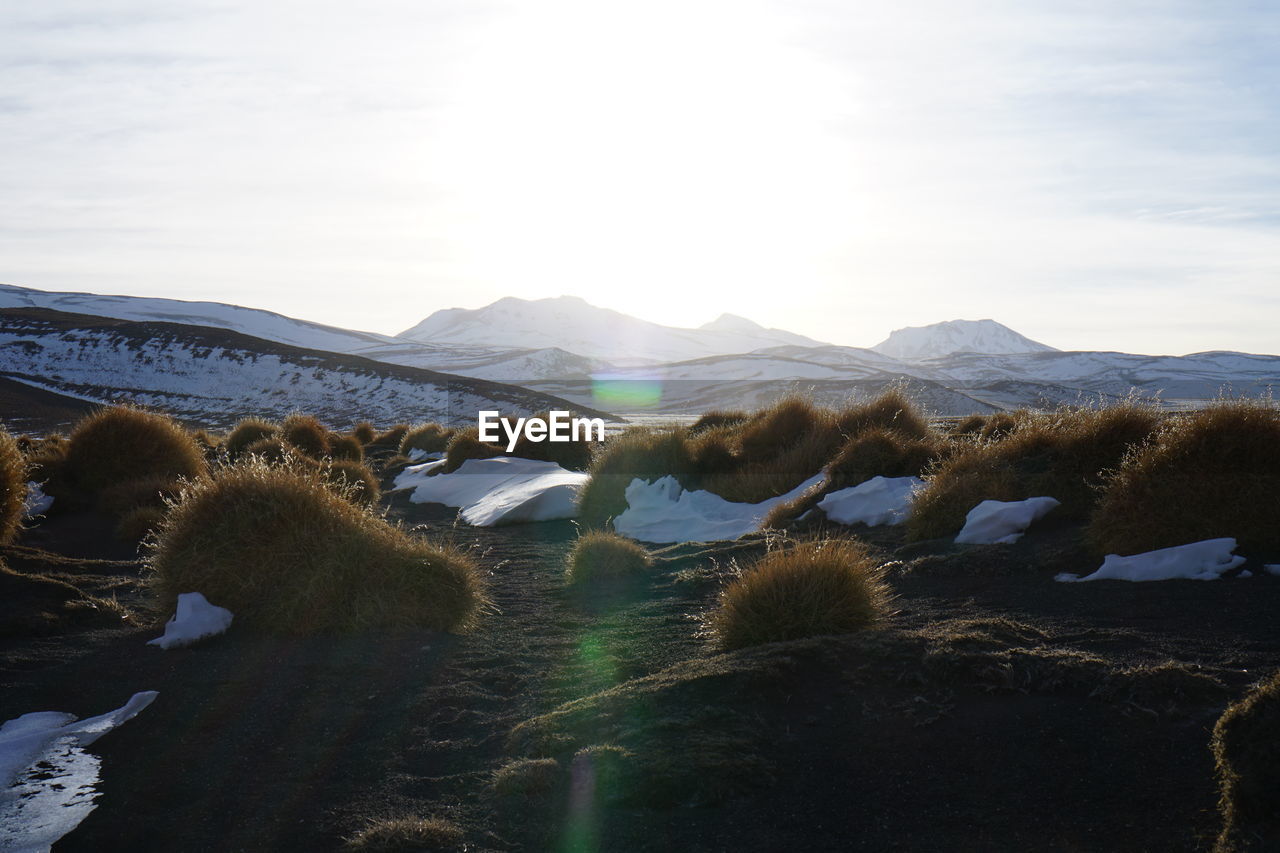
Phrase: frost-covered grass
[287,554]
[830,586]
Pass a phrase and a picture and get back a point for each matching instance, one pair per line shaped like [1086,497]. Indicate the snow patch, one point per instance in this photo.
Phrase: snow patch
[36,502]
[196,619]
[1002,522]
[48,778]
[880,500]
[1203,561]
[663,511]
[503,490]
[1273,569]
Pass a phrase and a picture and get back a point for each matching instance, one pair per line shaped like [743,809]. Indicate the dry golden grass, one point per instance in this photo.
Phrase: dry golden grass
[13,487]
[881,452]
[407,833]
[717,419]
[273,450]
[44,456]
[306,434]
[121,443]
[988,427]
[570,455]
[526,776]
[1246,752]
[429,437]
[135,524]
[1064,454]
[891,409]
[353,479]
[132,494]
[345,447]
[829,586]
[601,556]
[1212,473]
[287,554]
[248,431]
[391,436]
[648,454]
[464,445]
[364,432]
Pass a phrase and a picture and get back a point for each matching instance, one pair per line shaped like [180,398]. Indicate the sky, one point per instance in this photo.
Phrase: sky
[1096,175]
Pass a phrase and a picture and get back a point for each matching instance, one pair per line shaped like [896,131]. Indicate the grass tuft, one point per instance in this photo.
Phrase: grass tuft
[526,776]
[13,487]
[829,586]
[287,554]
[428,437]
[306,434]
[647,454]
[407,833]
[345,447]
[1211,473]
[892,410]
[247,432]
[602,556]
[464,445]
[1246,752]
[364,432]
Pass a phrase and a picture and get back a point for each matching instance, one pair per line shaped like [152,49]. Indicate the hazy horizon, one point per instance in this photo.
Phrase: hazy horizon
[1095,178]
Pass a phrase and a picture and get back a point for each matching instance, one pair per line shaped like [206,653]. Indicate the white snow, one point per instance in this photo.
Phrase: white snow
[939,339]
[39,805]
[1273,569]
[880,500]
[36,502]
[503,490]
[1002,522]
[1205,561]
[663,511]
[196,619]
[417,454]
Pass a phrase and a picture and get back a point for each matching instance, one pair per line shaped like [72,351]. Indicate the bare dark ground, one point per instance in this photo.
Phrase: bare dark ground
[995,710]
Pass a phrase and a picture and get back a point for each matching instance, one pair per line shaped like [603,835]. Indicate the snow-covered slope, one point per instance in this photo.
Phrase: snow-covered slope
[217,376]
[573,324]
[981,336]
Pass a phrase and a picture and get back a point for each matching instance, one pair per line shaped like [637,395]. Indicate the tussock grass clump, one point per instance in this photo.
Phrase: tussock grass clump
[880,452]
[364,432]
[1246,752]
[1064,455]
[643,453]
[138,522]
[988,427]
[13,487]
[526,776]
[830,586]
[248,431]
[122,443]
[285,553]
[465,445]
[717,419]
[306,434]
[766,432]
[132,494]
[891,409]
[570,455]
[407,833]
[353,479]
[273,450]
[428,437]
[391,436]
[601,556]
[1212,473]
[345,447]
[44,456]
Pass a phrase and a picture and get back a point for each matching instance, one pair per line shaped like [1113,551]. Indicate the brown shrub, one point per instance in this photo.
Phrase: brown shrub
[830,586]
[1064,455]
[601,556]
[122,443]
[640,452]
[1246,752]
[13,487]
[1210,474]
[306,434]
[429,437]
[248,431]
[286,554]
[364,432]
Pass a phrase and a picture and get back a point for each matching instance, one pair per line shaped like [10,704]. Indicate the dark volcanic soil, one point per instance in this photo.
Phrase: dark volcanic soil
[995,710]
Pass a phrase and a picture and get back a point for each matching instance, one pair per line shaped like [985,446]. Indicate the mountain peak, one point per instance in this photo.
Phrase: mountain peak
[986,336]
[732,323]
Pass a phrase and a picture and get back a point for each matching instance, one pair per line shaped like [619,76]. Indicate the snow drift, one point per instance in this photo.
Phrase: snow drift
[880,500]
[194,620]
[1203,561]
[1002,522]
[663,511]
[504,490]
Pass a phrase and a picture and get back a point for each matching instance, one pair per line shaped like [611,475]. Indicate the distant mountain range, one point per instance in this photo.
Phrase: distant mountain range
[206,358]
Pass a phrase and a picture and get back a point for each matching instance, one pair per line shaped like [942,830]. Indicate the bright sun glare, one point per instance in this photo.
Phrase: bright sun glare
[656,149]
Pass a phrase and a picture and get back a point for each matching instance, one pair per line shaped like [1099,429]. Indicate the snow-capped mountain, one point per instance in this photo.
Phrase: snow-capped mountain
[573,324]
[915,343]
[216,376]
